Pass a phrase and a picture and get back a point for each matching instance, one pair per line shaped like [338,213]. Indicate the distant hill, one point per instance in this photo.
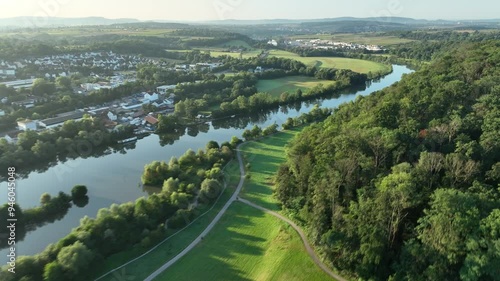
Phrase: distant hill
[385,21]
[52,21]
[396,20]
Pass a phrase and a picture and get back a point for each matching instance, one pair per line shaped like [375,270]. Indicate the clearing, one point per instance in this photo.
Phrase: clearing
[356,65]
[290,84]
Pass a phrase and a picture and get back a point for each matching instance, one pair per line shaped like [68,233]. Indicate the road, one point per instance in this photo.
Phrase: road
[236,193]
[309,249]
[209,227]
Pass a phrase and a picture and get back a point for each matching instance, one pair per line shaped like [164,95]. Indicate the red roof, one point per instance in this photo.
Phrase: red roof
[151,120]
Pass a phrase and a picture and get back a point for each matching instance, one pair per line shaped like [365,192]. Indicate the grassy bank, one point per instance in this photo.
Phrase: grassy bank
[141,268]
[264,157]
[247,244]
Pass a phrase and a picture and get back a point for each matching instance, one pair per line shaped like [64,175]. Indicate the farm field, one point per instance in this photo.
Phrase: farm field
[359,38]
[290,84]
[356,65]
[218,52]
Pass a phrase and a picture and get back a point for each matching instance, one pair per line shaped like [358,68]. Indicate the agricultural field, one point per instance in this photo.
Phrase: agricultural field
[218,52]
[359,38]
[245,55]
[356,65]
[236,44]
[289,84]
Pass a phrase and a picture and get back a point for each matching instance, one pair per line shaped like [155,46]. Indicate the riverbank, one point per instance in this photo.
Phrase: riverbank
[126,166]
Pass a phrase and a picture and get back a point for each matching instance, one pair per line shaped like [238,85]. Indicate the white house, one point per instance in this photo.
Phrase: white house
[8,72]
[27,125]
[111,116]
[9,139]
[2,113]
[150,97]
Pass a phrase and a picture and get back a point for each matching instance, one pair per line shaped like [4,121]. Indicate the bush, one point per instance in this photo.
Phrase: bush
[79,192]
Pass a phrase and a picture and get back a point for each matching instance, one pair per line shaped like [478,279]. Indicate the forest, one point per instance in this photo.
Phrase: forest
[404,184]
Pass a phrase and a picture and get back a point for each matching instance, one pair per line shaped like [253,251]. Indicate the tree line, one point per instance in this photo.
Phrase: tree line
[50,210]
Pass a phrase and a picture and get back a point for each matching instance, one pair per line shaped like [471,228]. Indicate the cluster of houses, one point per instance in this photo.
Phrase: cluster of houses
[104,60]
[129,112]
[331,45]
[113,82]
[202,66]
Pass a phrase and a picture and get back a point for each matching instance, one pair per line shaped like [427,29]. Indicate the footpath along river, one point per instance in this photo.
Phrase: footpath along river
[114,177]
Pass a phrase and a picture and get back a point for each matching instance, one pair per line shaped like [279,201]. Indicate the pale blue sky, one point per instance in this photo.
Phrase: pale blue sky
[251,9]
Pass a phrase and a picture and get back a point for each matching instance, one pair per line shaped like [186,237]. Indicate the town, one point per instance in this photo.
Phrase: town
[129,110]
[322,44]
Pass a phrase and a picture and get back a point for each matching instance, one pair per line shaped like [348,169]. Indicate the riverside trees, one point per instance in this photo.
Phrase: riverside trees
[401,184]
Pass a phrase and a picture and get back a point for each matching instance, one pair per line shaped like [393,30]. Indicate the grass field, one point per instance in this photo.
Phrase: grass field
[289,84]
[236,43]
[359,38]
[246,54]
[264,157]
[360,66]
[141,268]
[217,52]
[245,245]
[248,244]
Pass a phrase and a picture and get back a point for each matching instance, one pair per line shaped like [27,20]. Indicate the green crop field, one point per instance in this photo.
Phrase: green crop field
[143,267]
[245,245]
[218,52]
[289,84]
[360,66]
[358,38]
[236,43]
[246,54]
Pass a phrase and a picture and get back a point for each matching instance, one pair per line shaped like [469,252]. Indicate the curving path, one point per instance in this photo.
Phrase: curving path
[236,193]
[309,249]
[209,227]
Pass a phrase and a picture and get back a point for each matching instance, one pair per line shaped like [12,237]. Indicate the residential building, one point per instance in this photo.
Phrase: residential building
[151,120]
[61,118]
[27,124]
[150,97]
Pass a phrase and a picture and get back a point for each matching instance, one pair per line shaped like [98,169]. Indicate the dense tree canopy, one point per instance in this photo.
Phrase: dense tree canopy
[403,184]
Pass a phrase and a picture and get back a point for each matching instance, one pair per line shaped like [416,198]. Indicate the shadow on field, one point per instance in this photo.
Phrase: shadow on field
[214,258]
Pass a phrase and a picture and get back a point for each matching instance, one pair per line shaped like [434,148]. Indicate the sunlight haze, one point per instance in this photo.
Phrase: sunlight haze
[199,10]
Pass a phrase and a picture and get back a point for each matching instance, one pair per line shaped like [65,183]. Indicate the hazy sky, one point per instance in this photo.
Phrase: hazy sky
[251,9]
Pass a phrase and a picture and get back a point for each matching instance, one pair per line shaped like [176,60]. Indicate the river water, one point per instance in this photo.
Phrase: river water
[114,176]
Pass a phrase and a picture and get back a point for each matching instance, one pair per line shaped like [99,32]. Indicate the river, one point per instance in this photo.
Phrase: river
[114,177]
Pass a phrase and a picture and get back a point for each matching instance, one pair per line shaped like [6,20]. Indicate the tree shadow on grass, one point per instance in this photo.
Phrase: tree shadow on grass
[228,244]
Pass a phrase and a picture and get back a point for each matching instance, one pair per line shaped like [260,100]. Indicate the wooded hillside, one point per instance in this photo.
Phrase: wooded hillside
[404,184]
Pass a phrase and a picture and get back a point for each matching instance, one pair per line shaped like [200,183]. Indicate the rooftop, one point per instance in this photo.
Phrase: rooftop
[62,118]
